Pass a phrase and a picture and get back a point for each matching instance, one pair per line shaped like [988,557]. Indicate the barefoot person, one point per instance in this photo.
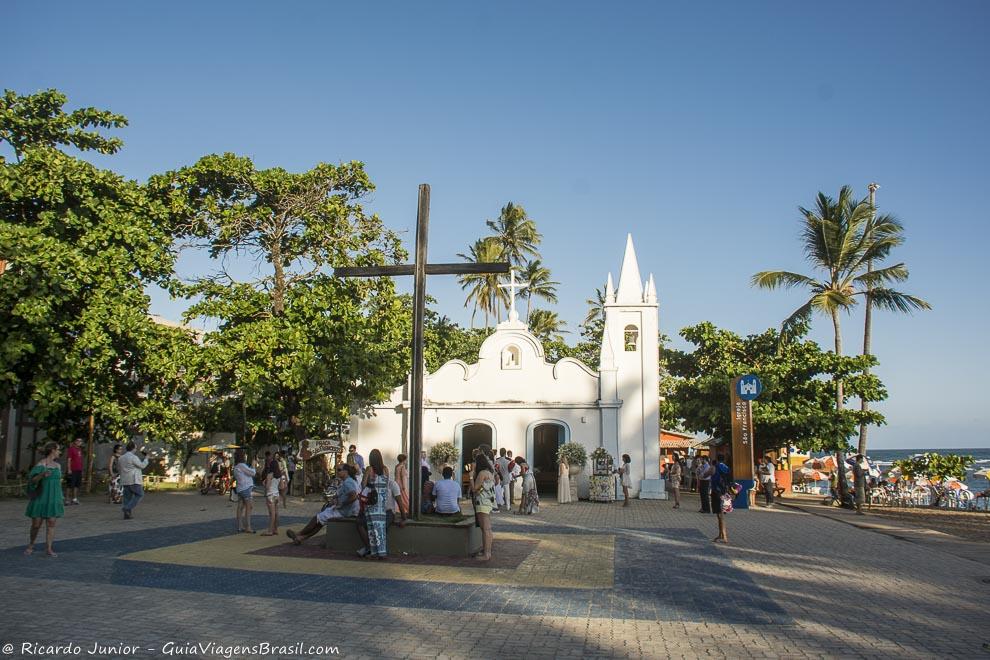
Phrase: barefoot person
[272,479]
[483,488]
[624,473]
[45,497]
[344,505]
[244,488]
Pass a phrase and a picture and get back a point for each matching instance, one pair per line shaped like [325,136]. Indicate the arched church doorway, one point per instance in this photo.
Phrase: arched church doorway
[546,439]
[473,436]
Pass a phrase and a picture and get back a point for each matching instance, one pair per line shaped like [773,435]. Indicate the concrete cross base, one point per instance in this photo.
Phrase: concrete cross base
[460,539]
[652,489]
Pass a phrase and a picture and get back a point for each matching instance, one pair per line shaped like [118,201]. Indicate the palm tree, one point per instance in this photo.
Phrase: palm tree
[516,234]
[840,239]
[546,324]
[484,292]
[889,229]
[539,284]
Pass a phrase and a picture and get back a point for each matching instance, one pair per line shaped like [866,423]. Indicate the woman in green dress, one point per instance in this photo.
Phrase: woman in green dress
[45,497]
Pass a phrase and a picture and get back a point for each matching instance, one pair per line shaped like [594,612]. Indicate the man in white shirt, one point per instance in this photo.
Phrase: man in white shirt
[505,474]
[131,478]
[446,493]
[767,479]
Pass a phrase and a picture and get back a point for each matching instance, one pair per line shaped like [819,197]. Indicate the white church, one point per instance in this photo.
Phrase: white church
[513,398]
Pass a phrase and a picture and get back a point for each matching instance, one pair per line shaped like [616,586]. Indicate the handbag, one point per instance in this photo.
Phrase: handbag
[726,504]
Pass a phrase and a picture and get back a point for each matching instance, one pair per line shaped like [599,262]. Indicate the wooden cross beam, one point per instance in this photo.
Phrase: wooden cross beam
[419,270]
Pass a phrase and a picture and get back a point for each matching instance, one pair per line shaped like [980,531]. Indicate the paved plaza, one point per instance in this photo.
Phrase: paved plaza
[580,580]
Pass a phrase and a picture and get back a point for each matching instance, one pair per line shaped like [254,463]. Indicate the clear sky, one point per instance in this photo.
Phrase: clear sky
[698,127]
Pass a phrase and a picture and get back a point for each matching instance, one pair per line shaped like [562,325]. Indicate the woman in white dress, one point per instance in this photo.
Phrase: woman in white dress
[564,483]
[626,480]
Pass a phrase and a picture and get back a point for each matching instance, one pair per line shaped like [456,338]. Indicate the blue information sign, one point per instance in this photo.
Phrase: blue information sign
[748,387]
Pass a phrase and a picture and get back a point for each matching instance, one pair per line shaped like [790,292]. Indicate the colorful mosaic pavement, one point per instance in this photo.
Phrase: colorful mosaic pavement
[668,575]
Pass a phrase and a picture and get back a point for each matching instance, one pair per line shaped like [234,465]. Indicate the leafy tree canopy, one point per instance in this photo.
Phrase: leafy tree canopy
[81,243]
[797,406]
[296,345]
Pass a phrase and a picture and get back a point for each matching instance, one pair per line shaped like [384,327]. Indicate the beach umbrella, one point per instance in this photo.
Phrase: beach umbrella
[983,472]
[810,474]
[824,463]
[955,484]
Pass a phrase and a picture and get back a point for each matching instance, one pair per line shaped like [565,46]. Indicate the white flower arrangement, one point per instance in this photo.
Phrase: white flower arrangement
[573,453]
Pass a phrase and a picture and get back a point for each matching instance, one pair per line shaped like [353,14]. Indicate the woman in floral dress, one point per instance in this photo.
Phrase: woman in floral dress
[376,478]
[45,498]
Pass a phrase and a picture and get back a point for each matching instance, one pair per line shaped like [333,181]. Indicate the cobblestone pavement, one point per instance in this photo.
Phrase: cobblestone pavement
[790,585]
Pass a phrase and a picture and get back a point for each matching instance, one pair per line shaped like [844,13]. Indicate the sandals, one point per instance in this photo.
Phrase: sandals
[295,538]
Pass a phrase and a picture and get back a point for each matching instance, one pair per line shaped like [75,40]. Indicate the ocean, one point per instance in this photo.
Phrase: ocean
[981,456]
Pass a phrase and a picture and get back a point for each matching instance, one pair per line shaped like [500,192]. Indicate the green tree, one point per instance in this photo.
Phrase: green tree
[445,340]
[299,347]
[483,289]
[80,244]
[538,284]
[840,240]
[797,406]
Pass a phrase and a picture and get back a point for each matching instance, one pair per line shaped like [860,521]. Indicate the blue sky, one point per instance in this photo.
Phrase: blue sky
[698,127]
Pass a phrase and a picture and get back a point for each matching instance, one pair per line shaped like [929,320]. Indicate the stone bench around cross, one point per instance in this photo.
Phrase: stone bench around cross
[418,537]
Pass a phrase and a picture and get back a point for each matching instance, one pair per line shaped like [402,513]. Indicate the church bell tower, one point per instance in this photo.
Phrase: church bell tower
[630,371]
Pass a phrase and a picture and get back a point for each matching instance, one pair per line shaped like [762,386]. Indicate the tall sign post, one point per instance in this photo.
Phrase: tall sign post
[419,270]
[743,390]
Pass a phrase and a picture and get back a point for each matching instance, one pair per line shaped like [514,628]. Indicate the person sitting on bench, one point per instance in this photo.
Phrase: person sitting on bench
[445,494]
[346,506]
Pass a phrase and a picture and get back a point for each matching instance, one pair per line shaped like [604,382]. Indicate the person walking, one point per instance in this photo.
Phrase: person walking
[564,482]
[692,474]
[115,493]
[529,502]
[483,490]
[767,480]
[244,491]
[402,479]
[674,474]
[625,478]
[45,503]
[721,487]
[132,478]
[705,472]
[74,466]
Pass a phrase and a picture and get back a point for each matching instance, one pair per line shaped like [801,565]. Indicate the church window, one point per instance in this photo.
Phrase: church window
[511,358]
[631,337]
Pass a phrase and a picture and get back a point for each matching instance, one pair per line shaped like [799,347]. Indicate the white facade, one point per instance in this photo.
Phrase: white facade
[513,398]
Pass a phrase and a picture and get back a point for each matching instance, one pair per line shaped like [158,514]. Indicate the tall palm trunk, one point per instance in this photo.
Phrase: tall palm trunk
[867,335]
[529,303]
[839,398]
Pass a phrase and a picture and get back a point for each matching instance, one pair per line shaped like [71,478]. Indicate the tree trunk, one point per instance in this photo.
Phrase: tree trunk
[89,454]
[867,335]
[529,302]
[4,442]
[839,400]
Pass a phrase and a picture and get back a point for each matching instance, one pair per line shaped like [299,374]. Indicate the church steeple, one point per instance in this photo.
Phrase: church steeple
[609,291]
[630,284]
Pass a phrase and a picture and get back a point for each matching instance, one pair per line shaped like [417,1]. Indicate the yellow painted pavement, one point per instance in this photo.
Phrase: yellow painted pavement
[575,561]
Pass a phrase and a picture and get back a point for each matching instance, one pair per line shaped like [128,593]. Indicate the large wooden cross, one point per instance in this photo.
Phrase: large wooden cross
[419,270]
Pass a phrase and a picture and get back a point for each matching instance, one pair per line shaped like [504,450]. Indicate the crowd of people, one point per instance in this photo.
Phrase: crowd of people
[368,493]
